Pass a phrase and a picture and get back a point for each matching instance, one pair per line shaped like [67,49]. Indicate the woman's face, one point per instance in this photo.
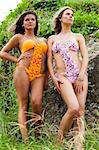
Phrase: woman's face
[29,21]
[67,17]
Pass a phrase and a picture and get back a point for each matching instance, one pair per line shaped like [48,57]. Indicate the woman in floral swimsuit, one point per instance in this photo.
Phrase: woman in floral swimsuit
[70,77]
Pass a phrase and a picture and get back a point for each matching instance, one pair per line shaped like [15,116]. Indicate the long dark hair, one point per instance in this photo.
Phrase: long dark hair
[19,24]
[57,17]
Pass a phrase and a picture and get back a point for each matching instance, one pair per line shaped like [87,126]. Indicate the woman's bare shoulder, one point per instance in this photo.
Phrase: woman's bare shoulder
[16,37]
[52,37]
[79,35]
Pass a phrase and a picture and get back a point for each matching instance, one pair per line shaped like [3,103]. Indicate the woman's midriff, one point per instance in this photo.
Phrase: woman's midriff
[25,61]
[60,66]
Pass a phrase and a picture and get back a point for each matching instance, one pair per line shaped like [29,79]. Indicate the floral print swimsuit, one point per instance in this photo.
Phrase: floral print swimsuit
[71,68]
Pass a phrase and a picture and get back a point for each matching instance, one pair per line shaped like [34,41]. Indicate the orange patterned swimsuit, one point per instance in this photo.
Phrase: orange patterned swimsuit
[34,69]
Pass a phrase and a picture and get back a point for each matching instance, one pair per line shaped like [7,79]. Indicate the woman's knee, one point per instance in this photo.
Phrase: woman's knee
[36,101]
[74,111]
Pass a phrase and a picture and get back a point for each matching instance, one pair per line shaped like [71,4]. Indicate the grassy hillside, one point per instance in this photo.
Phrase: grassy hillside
[86,22]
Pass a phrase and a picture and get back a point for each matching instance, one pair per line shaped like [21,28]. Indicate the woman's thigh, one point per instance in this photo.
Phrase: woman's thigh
[68,94]
[21,82]
[82,96]
[37,86]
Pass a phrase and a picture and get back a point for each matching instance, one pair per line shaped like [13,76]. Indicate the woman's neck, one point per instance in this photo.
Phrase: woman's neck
[66,29]
[29,33]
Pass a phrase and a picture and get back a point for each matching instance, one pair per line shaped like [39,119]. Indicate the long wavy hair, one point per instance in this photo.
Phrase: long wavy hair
[57,17]
[19,24]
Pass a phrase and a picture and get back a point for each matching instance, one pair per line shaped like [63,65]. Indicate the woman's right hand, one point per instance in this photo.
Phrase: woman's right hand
[57,83]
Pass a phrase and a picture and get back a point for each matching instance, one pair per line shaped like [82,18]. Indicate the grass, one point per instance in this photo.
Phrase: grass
[11,140]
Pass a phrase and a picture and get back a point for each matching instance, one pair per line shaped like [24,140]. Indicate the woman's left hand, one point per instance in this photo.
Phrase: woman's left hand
[78,86]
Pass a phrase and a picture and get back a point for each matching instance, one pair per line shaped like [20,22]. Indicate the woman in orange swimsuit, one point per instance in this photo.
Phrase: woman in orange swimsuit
[29,75]
[70,77]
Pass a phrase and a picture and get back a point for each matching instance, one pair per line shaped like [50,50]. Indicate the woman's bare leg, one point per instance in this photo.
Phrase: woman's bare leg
[21,82]
[82,97]
[69,97]
[80,122]
[37,86]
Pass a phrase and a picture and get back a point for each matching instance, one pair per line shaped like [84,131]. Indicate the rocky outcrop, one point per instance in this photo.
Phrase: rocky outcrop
[55,107]
[92,105]
[93,70]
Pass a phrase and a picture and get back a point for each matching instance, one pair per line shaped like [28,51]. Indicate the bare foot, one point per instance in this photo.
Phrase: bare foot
[59,140]
[79,137]
[24,134]
[26,140]
[78,144]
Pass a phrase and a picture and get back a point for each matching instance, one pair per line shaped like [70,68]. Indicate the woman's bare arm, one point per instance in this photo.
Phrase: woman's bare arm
[12,43]
[49,54]
[56,80]
[84,54]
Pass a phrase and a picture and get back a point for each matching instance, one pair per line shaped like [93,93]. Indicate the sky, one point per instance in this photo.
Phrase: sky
[6,6]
